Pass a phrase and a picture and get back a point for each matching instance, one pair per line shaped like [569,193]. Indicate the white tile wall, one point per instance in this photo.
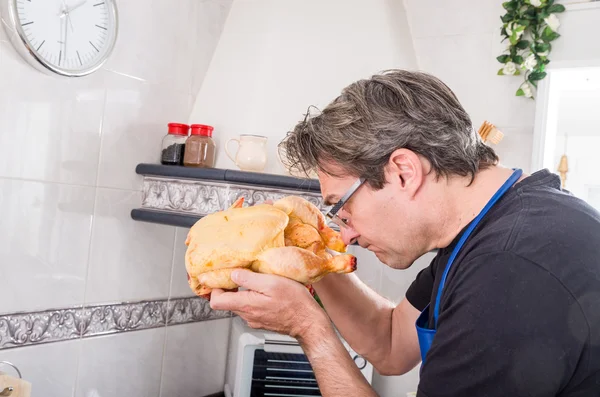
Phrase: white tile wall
[3,35]
[462,62]
[394,283]
[51,369]
[128,260]
[210,19]
[45,234]
[128,364]
[50,132]
[68,151]
[388,282]
[155,42]
[574,45]
[396,385]
[516,148]
[179,283]
[435,18]
[135,120]
[368,267]
[194,363]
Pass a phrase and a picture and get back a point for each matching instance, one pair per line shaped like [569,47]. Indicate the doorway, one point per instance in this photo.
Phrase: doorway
[567,132]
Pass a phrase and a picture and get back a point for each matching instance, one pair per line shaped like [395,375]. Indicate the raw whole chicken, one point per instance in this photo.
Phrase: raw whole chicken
[289,238]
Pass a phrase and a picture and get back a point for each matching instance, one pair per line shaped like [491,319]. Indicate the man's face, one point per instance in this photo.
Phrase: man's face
[384,221]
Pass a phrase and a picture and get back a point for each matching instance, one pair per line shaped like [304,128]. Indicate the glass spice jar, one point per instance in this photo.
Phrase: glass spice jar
[173,144]
[200,147]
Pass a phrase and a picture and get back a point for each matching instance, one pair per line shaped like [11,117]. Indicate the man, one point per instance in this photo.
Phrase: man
[511,301]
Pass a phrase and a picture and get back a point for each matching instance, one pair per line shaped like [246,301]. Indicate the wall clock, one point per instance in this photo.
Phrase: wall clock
[71,38]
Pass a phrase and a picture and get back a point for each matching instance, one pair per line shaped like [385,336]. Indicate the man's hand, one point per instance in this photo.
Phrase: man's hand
[278,304]
[271,302]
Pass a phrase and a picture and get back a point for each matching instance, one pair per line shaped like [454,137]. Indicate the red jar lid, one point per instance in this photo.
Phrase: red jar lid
[178,129]
[202,130]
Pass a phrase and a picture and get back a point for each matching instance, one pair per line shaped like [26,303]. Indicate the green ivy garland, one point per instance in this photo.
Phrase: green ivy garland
[529,26]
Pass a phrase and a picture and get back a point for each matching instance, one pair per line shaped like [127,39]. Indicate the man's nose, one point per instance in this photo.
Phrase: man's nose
[349,235]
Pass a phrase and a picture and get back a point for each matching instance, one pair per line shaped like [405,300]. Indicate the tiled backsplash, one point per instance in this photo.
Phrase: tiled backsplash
[46,230]
[57,325]
[68,151]
[182,361]
[128,260]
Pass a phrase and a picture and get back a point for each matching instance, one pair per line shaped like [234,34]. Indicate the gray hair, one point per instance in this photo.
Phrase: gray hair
[372,118]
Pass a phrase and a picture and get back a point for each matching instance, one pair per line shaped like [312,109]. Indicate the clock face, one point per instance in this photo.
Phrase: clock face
[69,37]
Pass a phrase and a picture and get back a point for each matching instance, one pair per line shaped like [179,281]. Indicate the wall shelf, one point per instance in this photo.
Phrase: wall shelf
[179,196]
[164,218]
[231,176]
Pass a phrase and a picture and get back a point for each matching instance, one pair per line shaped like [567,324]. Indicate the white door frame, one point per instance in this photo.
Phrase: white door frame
[543,103]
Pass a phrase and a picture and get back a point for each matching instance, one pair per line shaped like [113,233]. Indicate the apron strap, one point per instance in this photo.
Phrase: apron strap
[503,189]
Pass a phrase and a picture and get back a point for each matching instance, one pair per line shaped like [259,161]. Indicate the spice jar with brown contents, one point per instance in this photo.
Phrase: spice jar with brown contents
[200,147]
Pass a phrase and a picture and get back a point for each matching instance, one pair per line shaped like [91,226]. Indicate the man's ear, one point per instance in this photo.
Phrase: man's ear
[405,169]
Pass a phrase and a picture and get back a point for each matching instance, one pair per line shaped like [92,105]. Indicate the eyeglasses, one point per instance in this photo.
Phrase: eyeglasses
[332,214]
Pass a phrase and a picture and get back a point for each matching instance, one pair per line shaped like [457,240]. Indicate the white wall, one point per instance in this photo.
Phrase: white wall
[277,57]
[579,29]
[68,151]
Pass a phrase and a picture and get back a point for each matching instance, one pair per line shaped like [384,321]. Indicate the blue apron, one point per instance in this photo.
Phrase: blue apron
[424,332]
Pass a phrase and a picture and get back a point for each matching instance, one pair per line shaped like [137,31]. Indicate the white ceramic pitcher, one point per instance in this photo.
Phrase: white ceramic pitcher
[251,154]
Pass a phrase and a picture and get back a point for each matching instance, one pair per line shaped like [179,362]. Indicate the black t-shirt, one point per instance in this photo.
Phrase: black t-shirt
[520,310]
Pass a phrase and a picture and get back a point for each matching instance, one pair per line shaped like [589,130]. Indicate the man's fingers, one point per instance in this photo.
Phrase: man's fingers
[224,290]
[229,301]
[258,282]
[216,292]
[264,284]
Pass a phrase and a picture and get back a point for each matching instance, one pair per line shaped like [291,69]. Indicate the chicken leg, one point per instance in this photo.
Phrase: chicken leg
[294,263]
[301,265]
[305,236]
[299,209]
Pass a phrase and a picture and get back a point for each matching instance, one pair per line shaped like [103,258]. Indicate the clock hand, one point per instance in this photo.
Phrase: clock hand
[66,34]
[63,9]
[70,22]
[76,6]
[67,10]
[62,39]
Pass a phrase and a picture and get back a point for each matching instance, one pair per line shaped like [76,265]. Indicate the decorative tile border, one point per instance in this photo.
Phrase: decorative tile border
[24,329]
[202,197]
